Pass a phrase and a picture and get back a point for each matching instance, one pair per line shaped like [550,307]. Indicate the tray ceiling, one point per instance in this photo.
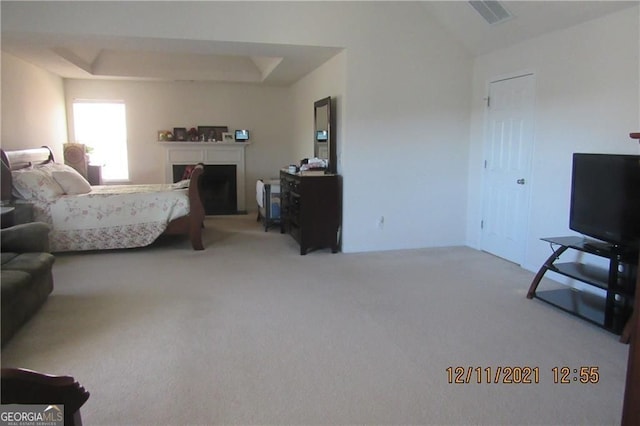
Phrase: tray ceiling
[166,59]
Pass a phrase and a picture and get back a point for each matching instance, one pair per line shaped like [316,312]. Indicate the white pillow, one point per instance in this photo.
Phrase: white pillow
[33,183]
[72,182]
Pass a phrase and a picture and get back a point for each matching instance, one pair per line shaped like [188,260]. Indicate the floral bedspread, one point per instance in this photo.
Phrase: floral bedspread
[112,216]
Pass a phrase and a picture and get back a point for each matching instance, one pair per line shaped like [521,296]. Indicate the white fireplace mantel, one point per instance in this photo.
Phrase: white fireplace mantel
[209,153]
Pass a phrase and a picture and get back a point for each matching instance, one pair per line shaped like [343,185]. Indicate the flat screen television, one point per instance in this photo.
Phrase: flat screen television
[605,198]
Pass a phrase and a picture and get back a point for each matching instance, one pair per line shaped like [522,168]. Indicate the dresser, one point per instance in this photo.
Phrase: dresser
[310,209]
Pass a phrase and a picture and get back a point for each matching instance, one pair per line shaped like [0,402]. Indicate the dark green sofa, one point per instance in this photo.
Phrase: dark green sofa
[26,277]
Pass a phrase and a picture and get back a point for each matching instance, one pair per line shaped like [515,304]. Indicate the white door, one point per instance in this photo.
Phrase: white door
[508,150]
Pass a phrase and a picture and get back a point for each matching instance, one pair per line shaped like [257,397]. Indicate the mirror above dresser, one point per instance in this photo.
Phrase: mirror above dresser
[324,139]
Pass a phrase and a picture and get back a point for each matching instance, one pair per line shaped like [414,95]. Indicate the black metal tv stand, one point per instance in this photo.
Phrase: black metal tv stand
[610,312]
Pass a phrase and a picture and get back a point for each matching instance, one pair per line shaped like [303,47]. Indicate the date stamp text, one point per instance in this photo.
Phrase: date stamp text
[520,375]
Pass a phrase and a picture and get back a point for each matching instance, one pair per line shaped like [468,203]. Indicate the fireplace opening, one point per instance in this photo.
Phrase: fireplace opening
[218,189]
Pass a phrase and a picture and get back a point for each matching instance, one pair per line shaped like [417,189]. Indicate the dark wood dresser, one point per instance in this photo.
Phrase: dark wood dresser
[310,210]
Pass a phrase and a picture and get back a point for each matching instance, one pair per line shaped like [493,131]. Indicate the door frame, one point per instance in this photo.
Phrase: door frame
[485,151]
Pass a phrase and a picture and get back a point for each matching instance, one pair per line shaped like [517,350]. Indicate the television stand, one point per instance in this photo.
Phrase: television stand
[611,311]
[599,246]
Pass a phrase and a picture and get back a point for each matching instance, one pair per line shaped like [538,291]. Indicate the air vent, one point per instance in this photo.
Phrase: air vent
[492,11]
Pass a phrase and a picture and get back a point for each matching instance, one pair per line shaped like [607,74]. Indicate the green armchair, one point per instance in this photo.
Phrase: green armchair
[26,276]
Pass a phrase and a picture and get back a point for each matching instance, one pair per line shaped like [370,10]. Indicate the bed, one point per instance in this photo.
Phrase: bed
[85,217]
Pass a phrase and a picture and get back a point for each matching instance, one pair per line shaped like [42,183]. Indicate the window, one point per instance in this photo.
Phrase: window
[102,127]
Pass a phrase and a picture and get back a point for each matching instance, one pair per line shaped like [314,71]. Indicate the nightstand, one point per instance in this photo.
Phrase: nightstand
[16,213]
[94,175]
[6,216]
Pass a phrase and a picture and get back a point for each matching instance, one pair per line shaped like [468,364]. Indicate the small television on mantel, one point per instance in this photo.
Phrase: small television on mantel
[605,198]
[242,135]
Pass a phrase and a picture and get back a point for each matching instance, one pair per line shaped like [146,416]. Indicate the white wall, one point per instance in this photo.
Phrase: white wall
[406,137]
[587,100]
[153,106]
[33,112]
[327,80]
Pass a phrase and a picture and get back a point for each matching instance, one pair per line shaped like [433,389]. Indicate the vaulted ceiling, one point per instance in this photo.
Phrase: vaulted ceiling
[530,19]
[164,59]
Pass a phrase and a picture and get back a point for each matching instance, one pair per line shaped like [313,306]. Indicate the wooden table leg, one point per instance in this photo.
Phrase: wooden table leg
[543,269]
[627,332]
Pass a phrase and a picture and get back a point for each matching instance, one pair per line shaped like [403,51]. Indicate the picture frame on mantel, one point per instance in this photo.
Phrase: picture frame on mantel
[211,133]
[227,137]
[179,134]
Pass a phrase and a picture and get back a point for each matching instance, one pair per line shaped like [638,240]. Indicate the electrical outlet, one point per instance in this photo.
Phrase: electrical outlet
[381,222]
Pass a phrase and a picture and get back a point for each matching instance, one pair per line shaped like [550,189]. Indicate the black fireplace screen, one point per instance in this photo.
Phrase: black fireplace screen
[217,187]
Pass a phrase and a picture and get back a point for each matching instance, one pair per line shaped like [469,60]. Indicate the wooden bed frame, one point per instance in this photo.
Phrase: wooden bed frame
[190,224]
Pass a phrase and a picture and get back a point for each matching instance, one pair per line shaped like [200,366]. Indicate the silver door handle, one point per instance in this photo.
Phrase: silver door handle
[520,181]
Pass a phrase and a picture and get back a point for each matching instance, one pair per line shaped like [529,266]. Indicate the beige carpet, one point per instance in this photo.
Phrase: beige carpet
[250,332]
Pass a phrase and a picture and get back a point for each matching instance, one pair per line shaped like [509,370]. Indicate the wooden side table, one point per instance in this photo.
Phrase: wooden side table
[94,175]
[16,213]
[6,216]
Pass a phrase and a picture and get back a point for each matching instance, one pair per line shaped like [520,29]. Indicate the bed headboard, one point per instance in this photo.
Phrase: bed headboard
[19,159]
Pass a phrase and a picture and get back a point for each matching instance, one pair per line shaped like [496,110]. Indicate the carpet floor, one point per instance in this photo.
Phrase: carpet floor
[250,332]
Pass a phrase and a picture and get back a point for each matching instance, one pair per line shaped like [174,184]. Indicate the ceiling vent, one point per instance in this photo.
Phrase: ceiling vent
[492,11]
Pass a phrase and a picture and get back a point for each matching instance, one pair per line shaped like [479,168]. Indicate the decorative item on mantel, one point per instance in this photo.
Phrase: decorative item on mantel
[165,135]
[227,137]
[212,133]
[203,134]
[193,134]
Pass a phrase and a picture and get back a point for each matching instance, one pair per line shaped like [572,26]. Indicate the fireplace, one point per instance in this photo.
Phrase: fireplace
[217,187]
[223,180]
